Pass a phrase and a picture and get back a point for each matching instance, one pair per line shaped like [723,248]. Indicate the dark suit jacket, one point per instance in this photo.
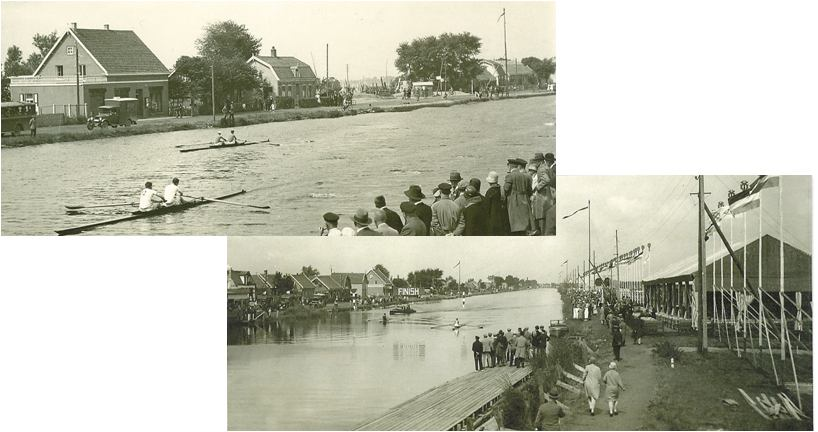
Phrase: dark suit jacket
[424,212]
[413,227]
[367,232]
[393,219]
[476,217]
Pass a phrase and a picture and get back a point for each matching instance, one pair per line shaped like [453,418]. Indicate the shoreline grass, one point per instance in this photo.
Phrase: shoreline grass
[245,119]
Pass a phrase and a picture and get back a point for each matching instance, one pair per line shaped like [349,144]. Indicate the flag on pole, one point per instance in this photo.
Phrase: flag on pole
[457,265]
[501,15]
[747,199]
[577,211]
[719,214]
[566,261]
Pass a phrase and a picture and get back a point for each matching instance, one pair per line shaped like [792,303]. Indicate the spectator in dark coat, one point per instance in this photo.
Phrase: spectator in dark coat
[477,350]
[423,211]
[392,218]
[475,213]
[413,226]
[496,213]
[616,342]
[518,190]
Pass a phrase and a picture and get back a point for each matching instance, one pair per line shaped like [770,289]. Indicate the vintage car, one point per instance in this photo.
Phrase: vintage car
[115,112]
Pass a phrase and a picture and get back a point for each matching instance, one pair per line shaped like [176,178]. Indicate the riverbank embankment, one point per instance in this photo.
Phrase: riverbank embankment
[367,105]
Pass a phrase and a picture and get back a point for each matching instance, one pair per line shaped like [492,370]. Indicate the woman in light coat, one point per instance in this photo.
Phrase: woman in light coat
[592,381]
[521,350]
[613,384]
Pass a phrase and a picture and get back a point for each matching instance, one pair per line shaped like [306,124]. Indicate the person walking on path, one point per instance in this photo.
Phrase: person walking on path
[592,381]
[613,385]
[32,126]
[549,413]
[477,350]
[616,342]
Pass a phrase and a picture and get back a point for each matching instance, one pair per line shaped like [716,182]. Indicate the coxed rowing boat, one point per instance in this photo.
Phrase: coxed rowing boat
[140,214]
[219,146]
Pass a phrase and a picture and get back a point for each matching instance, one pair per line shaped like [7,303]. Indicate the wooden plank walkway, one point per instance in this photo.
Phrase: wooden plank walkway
[447,405]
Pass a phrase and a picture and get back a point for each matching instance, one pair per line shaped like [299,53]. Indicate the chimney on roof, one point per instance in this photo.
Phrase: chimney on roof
[107,27]
[73,26]
[273,52]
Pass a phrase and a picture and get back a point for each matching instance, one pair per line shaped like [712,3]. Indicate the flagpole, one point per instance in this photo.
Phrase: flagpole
[505,49]
[781,260]
[617,260]
[760,295]
[743,292]
[589,232]
[701,273]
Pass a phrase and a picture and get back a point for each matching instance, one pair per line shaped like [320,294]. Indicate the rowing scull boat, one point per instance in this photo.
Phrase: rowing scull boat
[218,146]
[140,214]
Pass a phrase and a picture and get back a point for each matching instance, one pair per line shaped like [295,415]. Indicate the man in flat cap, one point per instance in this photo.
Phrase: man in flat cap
[331,222]
[447,217]
[423,211]
[518,190]
[413,226]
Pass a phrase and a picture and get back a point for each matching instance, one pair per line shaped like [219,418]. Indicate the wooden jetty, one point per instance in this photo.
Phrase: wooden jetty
[447,406]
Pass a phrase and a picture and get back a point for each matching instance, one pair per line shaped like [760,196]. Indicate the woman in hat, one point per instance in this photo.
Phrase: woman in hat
[613,385]
[592,381]
[496,213]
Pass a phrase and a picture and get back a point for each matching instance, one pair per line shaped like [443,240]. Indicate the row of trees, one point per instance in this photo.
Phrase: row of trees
[544,68]
[14,65]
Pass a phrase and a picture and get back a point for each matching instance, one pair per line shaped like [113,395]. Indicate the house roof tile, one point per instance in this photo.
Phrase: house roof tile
[120,51]
[282,65]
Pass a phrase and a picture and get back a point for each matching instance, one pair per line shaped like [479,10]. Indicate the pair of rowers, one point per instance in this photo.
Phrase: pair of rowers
[150,199]
[220,140]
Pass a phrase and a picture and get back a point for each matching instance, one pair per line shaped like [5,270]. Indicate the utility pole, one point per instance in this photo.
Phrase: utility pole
[700,273]
[589,224]
[505,57]
[77,62]
[617,259]
[213,93]
[327,61]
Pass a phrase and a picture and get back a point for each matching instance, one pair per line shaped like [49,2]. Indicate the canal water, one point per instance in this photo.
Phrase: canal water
[337,372]
[320,165]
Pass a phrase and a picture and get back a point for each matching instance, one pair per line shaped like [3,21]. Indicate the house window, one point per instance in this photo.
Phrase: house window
[82,70]
[59,70]
[28,97]
[122,92]
[69,50]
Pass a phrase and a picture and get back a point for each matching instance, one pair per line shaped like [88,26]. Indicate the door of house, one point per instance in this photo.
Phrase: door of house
[96,98]
[140,104]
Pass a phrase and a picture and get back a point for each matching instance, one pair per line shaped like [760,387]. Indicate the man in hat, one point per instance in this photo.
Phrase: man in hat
[494,207]
[518,189]
[413,226]
[458,184]
[447,217]
[551,213]
[423,211]
[549,412]
[331,225]
[392,218]
[362,221]
[461,199]
[381,226]
[477,350]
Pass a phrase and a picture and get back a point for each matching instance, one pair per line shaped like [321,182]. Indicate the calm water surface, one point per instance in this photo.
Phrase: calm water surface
[337,372]
[345,162]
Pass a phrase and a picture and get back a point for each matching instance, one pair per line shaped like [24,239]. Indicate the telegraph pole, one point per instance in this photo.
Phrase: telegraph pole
[617,259]
[327,61]
[77,62]
[700,274]
[505,57]
[589,228]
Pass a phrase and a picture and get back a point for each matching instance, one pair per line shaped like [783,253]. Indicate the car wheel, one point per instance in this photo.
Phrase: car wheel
[90,126]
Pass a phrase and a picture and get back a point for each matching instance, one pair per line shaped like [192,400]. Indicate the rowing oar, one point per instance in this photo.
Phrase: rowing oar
[235,204]
[78,207]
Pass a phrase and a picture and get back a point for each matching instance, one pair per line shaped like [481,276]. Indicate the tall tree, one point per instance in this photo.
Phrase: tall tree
[424,278]
[43,43]
[543,68]
[400,283]
[451,55]
[382,269]
[227,40]
[309,271]
[282,283]
[12,66]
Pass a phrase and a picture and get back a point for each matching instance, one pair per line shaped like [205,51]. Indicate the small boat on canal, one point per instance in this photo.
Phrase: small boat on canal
[402,310]
[221,146]
[146,214]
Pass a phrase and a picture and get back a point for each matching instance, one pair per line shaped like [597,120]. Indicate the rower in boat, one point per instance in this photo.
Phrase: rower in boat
[173,195]
[457,323]
[233,140]
[150,199]
[384,319]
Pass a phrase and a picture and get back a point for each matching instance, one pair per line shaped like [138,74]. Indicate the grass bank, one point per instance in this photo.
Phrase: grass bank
[78,133]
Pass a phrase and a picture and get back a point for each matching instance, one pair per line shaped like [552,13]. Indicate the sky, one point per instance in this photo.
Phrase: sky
[644,209]
[364,35]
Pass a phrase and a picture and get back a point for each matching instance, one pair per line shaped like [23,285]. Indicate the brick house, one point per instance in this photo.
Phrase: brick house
[378,284]
[287,76]
[109,63]
[356,283]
